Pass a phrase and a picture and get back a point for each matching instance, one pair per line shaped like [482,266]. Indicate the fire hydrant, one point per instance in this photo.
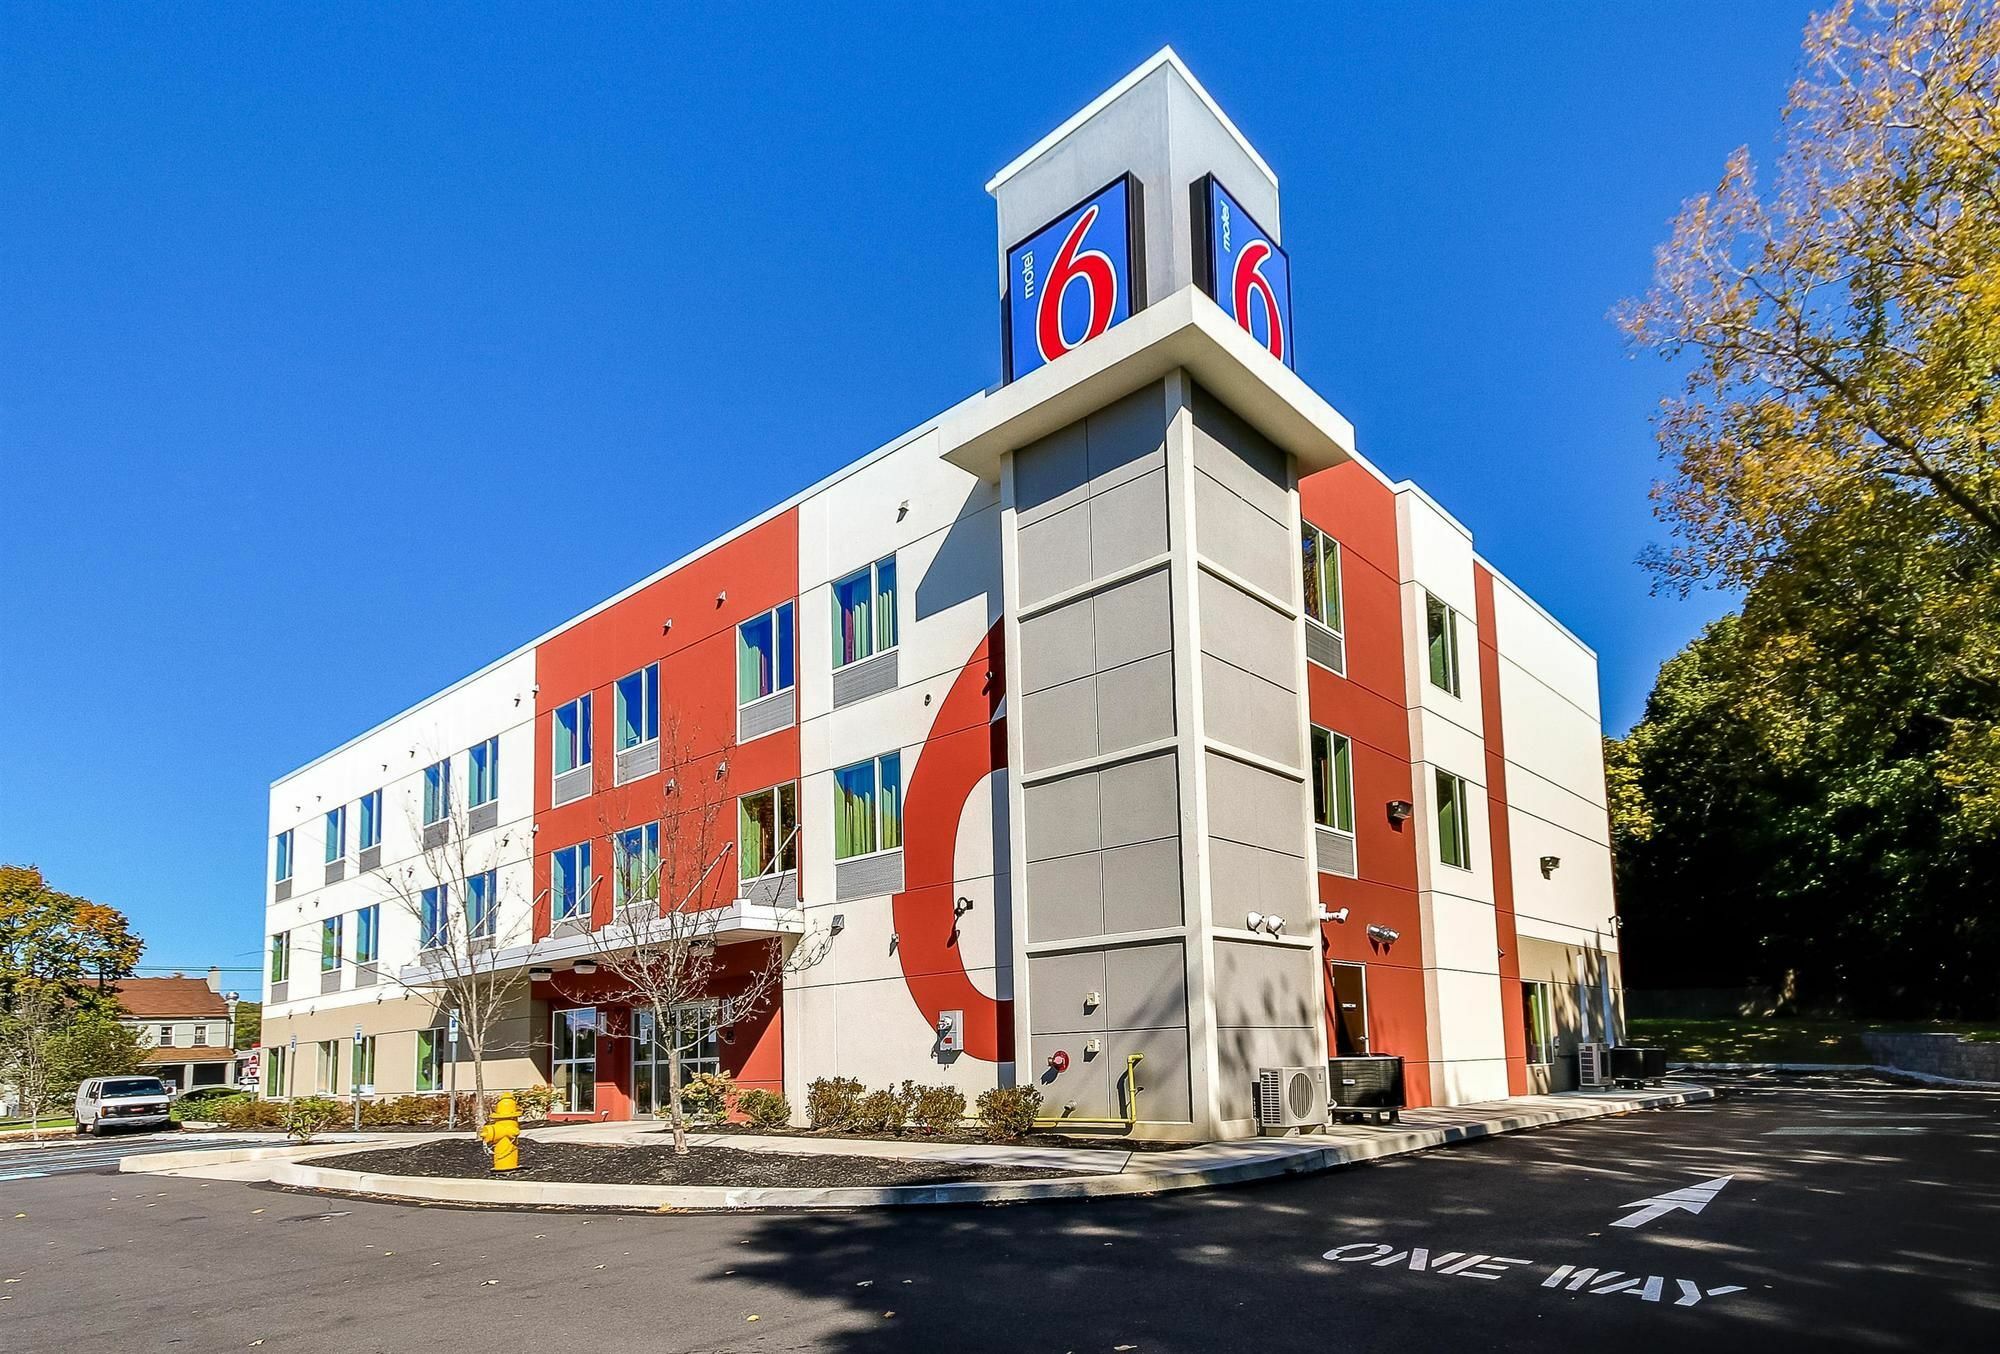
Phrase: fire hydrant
[500,1132]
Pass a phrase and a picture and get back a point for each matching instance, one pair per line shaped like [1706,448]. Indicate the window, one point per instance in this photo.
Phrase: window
[573,1060]
[572,735]
[1321,568]
[1442,625]
[336,834]
[329,1065]
[430,1060]
[437,792]
[569,881]
[274,1074]
[638,707]
[371,819]
[864,613]
[482,773]
[284,866]
[1454,837]
[281,957]
[432,924]
[482,911]
[767,831]
[329,944]
[1333,780]
[764,663]
[201,1036]
[868,807]
[363,1070]
[368,934]
[166,1036]
[1538,1019]
[635,857]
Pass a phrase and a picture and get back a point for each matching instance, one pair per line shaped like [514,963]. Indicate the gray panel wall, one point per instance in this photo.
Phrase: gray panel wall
[1102,844]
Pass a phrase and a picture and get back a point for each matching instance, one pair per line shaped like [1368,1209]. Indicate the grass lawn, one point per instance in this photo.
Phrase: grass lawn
[1748,1040]
[49,1121]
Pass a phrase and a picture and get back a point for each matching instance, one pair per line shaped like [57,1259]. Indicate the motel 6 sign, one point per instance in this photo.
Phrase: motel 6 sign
[1242,268]
[1074,278]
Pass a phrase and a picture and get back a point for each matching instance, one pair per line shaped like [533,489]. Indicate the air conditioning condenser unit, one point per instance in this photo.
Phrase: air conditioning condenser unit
[1291,1097]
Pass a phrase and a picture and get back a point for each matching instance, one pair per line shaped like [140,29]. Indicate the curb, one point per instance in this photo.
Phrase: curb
[1877,1069]
[1257,1162]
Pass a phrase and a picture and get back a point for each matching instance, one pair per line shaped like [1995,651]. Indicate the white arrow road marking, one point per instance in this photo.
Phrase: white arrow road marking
[1692,1198]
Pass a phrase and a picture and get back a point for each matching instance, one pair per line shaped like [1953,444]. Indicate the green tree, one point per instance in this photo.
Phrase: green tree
[59,942]
[249,1024]
[1812,800]
[48,1046]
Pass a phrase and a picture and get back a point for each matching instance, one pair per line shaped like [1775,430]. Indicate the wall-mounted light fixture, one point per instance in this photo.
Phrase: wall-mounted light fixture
[1383,934]
[838,924]
[541,973]
[1400,810]
[1254,922]
[1549,865]
[583,968]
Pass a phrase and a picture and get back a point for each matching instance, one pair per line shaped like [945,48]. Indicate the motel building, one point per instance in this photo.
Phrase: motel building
[1122,708]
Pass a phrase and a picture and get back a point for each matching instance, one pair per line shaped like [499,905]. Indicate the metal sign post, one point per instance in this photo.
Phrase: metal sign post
[354,1078]
[451,1037]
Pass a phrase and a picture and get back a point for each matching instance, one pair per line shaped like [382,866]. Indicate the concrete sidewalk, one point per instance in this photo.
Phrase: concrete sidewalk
[1093,1176]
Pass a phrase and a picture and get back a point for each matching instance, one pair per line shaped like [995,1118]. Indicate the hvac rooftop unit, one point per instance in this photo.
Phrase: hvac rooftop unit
[1593,1071]
[1291,1097]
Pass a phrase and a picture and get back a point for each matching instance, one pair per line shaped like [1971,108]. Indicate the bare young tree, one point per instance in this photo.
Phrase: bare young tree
[469,912]
[656,918]
[31,1032]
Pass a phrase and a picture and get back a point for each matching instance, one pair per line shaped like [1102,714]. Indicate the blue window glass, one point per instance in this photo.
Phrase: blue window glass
[572,735]
[764,663]
[437,792]
[283,870]
[329,944]
[371,819]
[432,924]
[481,911]
[482,773]
[569,881]
[336,834]
[636,864]
[639,707]
[368,935]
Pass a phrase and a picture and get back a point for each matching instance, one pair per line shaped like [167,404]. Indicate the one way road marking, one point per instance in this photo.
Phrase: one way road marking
[1693,1198]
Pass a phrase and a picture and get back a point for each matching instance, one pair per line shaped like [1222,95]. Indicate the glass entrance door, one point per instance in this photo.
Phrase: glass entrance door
[693,1026]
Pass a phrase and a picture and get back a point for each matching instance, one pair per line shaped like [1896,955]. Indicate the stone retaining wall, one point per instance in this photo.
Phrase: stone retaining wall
[1939,1055]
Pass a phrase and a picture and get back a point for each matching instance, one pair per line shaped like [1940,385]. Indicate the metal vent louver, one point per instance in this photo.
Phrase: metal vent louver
[1291,1097]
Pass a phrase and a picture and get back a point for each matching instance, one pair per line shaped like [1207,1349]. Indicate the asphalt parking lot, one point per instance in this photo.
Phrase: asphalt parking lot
[1848,1217]
[61,1153]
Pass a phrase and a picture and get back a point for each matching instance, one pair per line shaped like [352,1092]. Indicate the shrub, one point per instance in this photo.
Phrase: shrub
[705,1098]
[203,1104]
[933,1109]
[309,1116]
[535,1101]
[1008,1111]
[247,1112]
[764,1109]
[879,1112]
[831,1103]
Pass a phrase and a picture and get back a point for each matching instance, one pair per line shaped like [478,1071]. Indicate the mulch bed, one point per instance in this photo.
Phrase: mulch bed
[575,1163]
[1112,1141]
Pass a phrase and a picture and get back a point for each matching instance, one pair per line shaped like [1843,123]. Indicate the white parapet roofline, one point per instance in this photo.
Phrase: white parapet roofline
[1166,56]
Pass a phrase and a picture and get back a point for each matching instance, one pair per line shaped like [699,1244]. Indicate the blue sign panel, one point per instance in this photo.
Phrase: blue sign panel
[1246,272]
[1072,279]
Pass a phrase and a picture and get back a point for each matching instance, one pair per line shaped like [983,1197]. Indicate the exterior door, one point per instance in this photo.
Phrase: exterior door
[694,1027]
[1350,1009]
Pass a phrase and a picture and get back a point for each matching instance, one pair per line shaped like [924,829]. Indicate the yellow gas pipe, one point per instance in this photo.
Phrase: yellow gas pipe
[1129,1122]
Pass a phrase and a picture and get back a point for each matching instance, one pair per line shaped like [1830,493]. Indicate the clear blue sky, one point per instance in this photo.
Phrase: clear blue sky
[311,323]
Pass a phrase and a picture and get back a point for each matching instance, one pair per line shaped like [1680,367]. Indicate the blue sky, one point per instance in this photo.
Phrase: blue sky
[309,321]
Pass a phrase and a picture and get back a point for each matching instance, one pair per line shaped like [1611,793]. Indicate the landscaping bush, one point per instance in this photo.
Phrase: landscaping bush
[832,1102]
[309,1116]
[879,1112]
[764,1109]
[249,1112]
[535,1101]
[933,1109]
[1009,1111]
[200,1105]
[705,1098]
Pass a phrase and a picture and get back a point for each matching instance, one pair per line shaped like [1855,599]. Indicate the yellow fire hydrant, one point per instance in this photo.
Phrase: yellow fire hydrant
[500,1132]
